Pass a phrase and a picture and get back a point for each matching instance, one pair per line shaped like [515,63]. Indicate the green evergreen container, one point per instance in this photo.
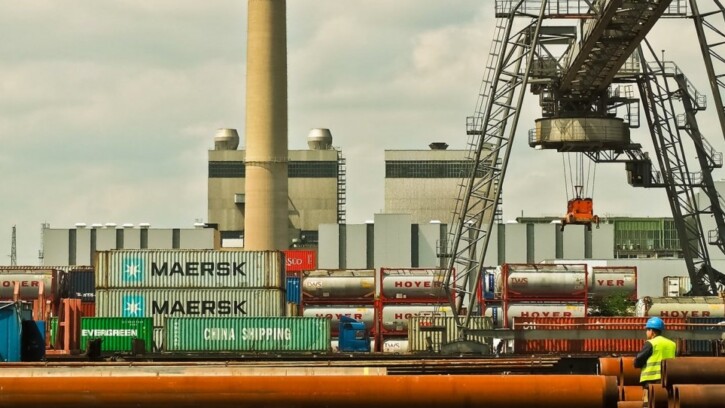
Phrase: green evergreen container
[53,329]
[117,332]
[249,334]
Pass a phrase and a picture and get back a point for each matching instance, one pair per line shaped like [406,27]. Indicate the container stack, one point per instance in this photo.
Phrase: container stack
[404,294]
[81,284]
[534,290]
[296,262]
[335,293]
[189,283]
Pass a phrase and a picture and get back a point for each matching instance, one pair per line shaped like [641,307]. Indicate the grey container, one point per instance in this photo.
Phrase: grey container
[189,269]
[702,347]
[159,303]
[429,333]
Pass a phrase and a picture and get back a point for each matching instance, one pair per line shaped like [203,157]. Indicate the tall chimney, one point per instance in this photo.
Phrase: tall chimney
[266,213]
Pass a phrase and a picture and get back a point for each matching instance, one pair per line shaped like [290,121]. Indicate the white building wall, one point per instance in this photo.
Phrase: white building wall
[574,242]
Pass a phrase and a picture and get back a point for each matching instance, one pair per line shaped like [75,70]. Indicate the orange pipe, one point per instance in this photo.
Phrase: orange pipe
[629,404]
[698,396]
[511,391]
[632,393]
[657,396]
[693,370]
[609,366]
[628,374]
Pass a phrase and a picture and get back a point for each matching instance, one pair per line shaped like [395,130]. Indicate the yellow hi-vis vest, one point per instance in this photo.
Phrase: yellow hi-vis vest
[662,349]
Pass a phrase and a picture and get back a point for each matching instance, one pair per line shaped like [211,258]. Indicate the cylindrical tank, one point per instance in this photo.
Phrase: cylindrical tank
[365,314]
[226,139]
[319,139]
[607,280]
[29,283]
[674,286]
[496,313]
[266,213]
[544,281]
[413,284]
[395,345]
[338,285]
[394,318]
[491,283]
[695,306]
[549,309]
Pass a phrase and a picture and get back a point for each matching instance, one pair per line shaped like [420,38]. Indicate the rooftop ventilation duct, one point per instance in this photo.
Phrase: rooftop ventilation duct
[438,146]
[319,139]
[226,139]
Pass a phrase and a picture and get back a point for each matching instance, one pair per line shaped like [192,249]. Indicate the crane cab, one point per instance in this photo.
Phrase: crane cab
[354,336]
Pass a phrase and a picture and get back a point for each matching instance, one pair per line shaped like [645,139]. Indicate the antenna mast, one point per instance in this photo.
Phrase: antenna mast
[13,250]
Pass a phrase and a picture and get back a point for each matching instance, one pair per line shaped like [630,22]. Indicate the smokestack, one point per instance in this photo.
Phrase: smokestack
[266,213]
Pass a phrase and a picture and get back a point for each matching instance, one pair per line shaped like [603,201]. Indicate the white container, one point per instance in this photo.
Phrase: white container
[28,283]
[365,314]
[338,285]
[423,284]
[491,283]
[495,313]
[546,309]
[681,307]
[545,280]
[395,346]
[189,269]
[607,280]
[675,286]
[422,340]
[159,303]
[394,318]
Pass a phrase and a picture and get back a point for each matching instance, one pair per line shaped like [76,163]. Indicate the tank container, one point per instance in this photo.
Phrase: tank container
[365,314]
[534,281]
[29,283]
[543,309]
[412,284]
[608,280]
[338,285]
[682,307]
[394,318]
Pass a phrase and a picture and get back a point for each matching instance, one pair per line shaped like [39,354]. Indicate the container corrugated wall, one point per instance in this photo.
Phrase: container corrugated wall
[117,333]
[159,303]
[424,341]
[294,334]
[189,269]
[294,292]
[10,328]
[600,346]
[701,347]
[81,284]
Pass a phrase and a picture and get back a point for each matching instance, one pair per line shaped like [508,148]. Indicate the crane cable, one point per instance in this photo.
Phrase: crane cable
[577,177]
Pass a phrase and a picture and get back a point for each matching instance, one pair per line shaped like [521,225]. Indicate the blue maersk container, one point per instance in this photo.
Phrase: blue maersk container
[10,332]
[294,292]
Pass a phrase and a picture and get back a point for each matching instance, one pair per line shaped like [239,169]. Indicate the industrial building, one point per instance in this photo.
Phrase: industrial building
[424,183]
[316,188]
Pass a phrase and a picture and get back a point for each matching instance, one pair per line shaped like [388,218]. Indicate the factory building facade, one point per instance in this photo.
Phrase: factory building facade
[316,190]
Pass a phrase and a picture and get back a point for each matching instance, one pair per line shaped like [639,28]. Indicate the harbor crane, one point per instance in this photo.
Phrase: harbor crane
[584,75]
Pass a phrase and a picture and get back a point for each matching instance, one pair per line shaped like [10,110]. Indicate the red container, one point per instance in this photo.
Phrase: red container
[409,285]
[588,346]
[297,260]
[88,309]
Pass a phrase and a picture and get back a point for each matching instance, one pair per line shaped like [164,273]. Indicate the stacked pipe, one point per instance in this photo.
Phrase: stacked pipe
[691,382]
[631,393]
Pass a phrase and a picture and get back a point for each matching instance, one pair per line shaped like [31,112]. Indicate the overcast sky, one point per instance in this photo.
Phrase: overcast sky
[108,108]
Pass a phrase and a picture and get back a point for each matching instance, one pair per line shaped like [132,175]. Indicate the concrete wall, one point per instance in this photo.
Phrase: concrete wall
[328,252]
[392,241]
[356,247]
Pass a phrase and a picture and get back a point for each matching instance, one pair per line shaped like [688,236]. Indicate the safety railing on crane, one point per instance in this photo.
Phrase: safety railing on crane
[572,8]
[670,69]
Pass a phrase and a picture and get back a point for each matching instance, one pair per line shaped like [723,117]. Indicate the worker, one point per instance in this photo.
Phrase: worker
[655,349]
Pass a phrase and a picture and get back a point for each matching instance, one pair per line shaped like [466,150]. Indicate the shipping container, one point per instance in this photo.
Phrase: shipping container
[394,318]
[248,334]
[599,346]
[88,309]
[703,347]
[491,283]
[543,309]
[117,333]
[608,280]
[675,286]
[298,260]
[684,307]
[338,285]
[145,269]
[395,345]
[81,284]
[412,284]
[29,283]
[158,340]
[10,332]
[294,291]
[160,303]
[52,329]
[365,314]
[422,340]
[536,281]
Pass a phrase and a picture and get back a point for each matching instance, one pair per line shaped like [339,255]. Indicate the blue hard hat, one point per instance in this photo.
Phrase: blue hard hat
[655,323]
